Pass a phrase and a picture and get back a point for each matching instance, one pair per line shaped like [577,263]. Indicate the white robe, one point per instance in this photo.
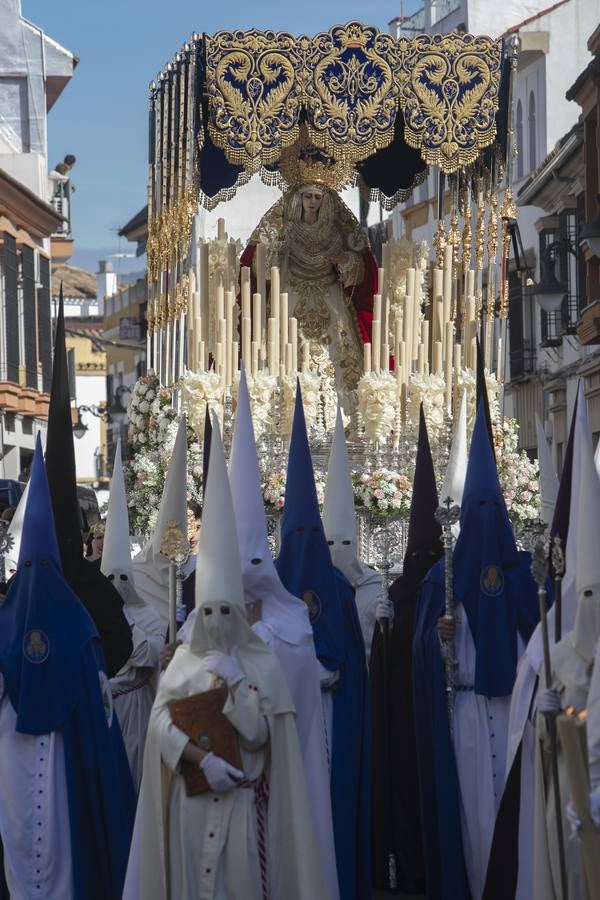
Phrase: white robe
[34,811]
[314,719]
[480,739]
[568,665]
[301,669]
[133,686]
[217,832]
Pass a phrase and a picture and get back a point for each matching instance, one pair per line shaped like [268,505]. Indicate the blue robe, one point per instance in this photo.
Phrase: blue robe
[69,691]
[438,778]
[351,775]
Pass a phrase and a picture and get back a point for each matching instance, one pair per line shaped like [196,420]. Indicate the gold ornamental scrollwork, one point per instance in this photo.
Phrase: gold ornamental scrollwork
[351,89]
[450,97]
[254,94]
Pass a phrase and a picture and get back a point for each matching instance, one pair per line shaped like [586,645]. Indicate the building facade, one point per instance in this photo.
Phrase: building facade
[34,71]
[86,358]
[552,49]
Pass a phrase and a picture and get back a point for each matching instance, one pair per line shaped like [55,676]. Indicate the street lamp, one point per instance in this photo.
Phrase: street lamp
[116,412]
[549,291]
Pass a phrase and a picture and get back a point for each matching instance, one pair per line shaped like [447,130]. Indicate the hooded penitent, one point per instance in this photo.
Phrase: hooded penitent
[396,816]
[132,687]
[339,522]
[15,529]
[58,695]
[221,625]
[304,566]
[456,470]
[572,660]
[497,594]
[548,477]
[150,567]
[96,593]
[510,870]
[284,625]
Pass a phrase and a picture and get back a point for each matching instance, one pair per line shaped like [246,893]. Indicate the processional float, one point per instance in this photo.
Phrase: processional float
[350,106]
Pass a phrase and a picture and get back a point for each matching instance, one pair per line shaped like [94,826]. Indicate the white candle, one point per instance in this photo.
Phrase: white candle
[376,342]
[294,341]
[437,358]
[273,341]
[229,337]
[425,337]
[421,359]
[235,358]
[289,365]
[367,357]
[261,288]
[380,277]
[201,357]
[384,361]
[306,356]
[410,282]
[246,292]
[438,304]
[221,234]
[283,322]
[247,341]
[255,348]
[448,342]
[447,285]
[220,302]
[257,319]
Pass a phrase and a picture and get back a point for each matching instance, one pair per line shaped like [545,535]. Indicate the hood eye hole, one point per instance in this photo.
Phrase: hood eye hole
[482,502]
[331,543]
[256,561]
[27,562]
[346,543]
[300,528]
[207,611]
[123,577]
[588,593]
[111,577]
[225,610]
[316,529]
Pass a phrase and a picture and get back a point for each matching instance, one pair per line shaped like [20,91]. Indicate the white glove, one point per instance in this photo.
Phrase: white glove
[225,666]
[574,820]
[548,702]
[595,806]
[384,610]
[219,774]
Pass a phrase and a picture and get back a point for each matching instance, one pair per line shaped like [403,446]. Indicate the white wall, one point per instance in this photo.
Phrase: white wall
[91,391]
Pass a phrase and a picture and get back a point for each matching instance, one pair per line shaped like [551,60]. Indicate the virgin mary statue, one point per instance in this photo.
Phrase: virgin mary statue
[329,273]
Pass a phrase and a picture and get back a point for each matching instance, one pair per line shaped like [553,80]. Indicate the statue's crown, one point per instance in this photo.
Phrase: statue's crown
[303,163]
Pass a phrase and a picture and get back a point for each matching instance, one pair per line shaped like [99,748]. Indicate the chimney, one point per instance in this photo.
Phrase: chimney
[106,281]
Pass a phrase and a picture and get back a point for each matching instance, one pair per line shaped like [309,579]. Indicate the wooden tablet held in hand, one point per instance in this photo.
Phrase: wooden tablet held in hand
[201,718]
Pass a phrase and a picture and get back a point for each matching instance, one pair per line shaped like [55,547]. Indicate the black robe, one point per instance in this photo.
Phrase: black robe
[396,826]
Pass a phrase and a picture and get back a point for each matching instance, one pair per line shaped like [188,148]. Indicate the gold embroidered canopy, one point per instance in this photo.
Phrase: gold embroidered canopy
[348,85]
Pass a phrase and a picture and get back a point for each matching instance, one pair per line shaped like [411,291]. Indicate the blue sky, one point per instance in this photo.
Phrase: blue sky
[101,116]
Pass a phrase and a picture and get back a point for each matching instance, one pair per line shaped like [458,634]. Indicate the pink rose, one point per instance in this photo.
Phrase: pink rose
[378,493]
[279,502]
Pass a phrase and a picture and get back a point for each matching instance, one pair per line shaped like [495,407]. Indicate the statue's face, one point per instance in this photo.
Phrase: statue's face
[311,201]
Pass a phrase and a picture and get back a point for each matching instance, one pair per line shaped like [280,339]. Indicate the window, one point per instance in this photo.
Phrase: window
[570,269]
[532,139]
[11,310]
[521,355]
[520,140]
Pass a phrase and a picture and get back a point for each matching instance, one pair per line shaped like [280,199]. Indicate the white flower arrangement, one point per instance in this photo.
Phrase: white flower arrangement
[310,384]
[273,490]
[431,391]
[518,475]
[383,492]
[262,391]
[467,380]
[377,404]
[198,389]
